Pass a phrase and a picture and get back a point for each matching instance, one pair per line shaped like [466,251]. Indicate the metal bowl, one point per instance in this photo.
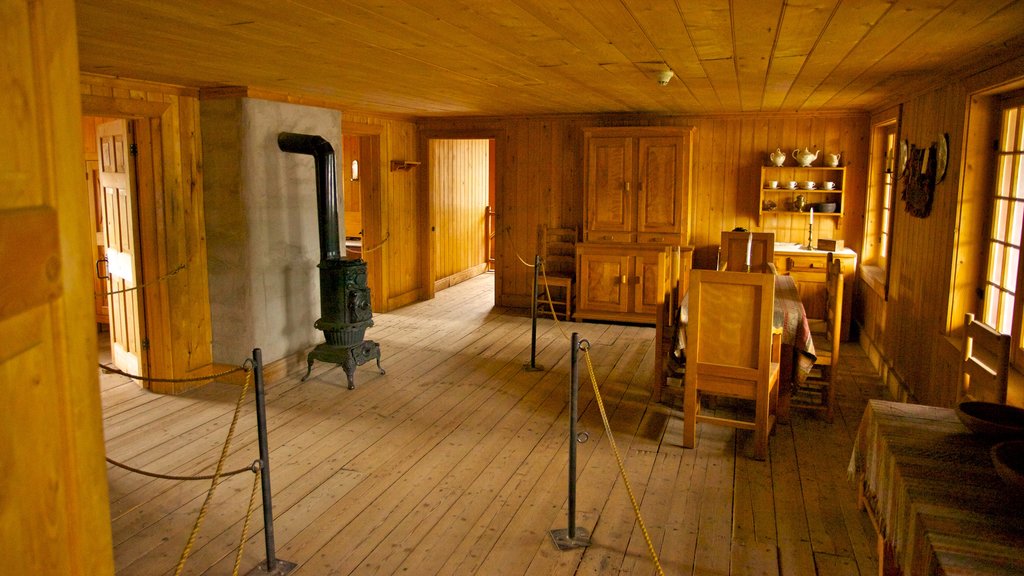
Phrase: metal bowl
[825,207]
[998,421]
[1008,458]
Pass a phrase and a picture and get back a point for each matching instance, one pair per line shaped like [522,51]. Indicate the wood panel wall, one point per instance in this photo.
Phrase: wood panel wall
[539,177]
[393,216]
[172,227]
[914,336]
[459,183]
[54,507]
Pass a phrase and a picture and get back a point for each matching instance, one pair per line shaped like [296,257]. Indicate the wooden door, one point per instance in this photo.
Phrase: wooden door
[100,289]
[649,282]
[54,508]
[609,193]
[120,237]
[660,187]
[603,280]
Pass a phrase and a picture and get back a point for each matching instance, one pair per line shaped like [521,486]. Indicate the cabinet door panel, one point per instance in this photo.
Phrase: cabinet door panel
[660,194]
[601,282]
[649,283]
[609,177]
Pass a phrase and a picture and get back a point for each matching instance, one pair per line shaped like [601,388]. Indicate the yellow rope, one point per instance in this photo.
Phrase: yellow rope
[112,370]
[216,478]
[245,525]
[622,467]
[508,232]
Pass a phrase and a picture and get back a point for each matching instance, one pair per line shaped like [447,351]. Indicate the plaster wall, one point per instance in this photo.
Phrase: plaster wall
[261,220]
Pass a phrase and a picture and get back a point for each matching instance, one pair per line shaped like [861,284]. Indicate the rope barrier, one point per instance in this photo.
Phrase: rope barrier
[141,286]
[254,468]
[607,425]
[216,478]
[248,516]
[246,366]
[618,460]
[379,245]
[508,233]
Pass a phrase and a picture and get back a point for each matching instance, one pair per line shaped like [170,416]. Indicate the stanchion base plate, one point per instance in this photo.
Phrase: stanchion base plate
[533,368]
[563,542]
[281,568]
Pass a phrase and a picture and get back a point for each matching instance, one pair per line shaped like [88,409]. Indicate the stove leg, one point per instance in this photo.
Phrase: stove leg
[309,366]
[348,362]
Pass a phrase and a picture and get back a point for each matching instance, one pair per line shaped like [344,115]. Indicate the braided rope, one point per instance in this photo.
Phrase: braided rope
[508,233]
[248,516]
[254,467]
[141,286]
[216,478]
[379,245]
[622,467]
[245,366]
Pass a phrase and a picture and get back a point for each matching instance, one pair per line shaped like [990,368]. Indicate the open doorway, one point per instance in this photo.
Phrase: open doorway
[110,169]
[360,188]
[461,189]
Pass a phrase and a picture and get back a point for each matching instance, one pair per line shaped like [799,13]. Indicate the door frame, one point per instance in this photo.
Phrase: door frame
[428,243]
[144,118]
[373,208]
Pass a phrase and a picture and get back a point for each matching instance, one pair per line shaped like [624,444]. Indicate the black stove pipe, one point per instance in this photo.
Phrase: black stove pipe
[326,187]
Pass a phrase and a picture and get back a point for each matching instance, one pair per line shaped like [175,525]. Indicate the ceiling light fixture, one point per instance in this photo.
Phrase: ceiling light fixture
[664,76]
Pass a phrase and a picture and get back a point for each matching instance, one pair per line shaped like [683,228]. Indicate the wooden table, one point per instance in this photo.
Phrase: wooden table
[933,494]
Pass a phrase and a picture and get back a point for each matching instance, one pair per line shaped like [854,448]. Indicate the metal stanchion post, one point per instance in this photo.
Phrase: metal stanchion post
[572,537]
[532,366]
[274,565]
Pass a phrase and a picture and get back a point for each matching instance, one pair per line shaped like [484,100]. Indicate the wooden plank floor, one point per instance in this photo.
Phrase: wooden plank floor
[455,462]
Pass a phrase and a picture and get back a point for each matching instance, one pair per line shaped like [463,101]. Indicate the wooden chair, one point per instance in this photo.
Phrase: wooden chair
[819,390]
[732,350]
[985,364]
[733,255]
[558,253]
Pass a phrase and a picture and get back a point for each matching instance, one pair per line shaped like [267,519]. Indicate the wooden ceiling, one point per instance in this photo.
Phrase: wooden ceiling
[511,57]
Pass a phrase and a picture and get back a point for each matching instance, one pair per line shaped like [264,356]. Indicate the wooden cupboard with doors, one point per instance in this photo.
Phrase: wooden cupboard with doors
[636,204]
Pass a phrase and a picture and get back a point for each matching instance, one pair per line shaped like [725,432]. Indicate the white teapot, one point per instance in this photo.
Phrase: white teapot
[832,160]
[778,157]
[806,157]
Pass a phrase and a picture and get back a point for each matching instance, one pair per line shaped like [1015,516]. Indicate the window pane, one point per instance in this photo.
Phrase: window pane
[1010,128]
[995,263]
[1010,278]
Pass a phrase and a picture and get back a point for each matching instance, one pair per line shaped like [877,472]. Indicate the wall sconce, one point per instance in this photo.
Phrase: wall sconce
[403,165]
[355,170]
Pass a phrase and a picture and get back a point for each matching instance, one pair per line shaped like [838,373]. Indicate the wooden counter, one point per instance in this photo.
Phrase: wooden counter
[809,269]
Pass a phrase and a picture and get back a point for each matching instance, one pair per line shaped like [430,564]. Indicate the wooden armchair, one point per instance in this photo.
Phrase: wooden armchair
[733,254]
[732,350]
[819,390]
[985,364]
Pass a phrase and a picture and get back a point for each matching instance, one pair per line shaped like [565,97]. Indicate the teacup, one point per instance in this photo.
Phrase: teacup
[792,185]
[773,183]
[830,185]
[808,185]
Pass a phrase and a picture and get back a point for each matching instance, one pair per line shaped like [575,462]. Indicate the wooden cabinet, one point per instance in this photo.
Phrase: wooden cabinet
[792,181]
[636,207]
[615,284]
[808,268]
[635,184]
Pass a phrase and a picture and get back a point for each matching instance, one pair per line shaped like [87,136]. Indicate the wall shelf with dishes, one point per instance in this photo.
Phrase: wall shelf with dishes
[794,190]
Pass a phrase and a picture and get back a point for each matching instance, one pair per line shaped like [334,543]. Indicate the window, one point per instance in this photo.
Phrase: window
[1002,280]
[885,183]
[882,175]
